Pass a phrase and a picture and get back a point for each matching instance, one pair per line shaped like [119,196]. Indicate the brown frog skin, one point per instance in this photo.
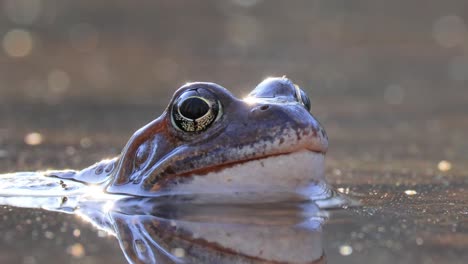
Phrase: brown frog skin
[174,151]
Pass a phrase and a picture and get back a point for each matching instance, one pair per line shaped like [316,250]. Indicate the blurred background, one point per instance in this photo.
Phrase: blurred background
[387,79]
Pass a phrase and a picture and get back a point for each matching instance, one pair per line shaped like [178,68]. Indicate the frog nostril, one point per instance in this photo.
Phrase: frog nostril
[109,168]
[99,170]
[264,107]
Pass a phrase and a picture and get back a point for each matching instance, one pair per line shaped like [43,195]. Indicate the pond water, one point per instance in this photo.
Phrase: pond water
[387,80]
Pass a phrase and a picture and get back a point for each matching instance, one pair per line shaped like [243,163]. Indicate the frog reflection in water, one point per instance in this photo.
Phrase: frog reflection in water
[167,230]
[151,231]
[209,142]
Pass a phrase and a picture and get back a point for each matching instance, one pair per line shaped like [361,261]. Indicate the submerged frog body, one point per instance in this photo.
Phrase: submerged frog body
[209,142]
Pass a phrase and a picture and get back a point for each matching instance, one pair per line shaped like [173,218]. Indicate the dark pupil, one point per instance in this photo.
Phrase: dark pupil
[194,108]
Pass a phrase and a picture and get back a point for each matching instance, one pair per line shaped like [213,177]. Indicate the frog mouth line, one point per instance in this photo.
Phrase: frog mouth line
[223,166]
[286,173]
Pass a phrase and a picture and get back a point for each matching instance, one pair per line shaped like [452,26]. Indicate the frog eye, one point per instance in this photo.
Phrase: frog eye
[281,89]
[195,111]
[302,97]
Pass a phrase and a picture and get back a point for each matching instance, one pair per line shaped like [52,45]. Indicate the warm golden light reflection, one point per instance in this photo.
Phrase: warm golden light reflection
[76,233]
[76,250]
[346,250]
[86,142]
[178,252]
[17,43]
[444,165]
[410,192]
[33,139]
[49,235]
[344,190]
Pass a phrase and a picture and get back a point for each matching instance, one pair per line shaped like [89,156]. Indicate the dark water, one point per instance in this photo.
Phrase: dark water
[388,81]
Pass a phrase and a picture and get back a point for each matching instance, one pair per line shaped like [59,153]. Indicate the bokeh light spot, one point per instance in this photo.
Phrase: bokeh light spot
[76,250]
[449,31]
[49,235]
[76,233]
[178,252]
[17,43]
[346,250]
[444,165]
[33,139]
[410,192]
[86,142]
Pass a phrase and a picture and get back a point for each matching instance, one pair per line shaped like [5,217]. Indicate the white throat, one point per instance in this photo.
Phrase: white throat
[295,174]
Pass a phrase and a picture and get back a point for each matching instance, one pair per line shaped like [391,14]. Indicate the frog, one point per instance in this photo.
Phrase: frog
[209,142]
